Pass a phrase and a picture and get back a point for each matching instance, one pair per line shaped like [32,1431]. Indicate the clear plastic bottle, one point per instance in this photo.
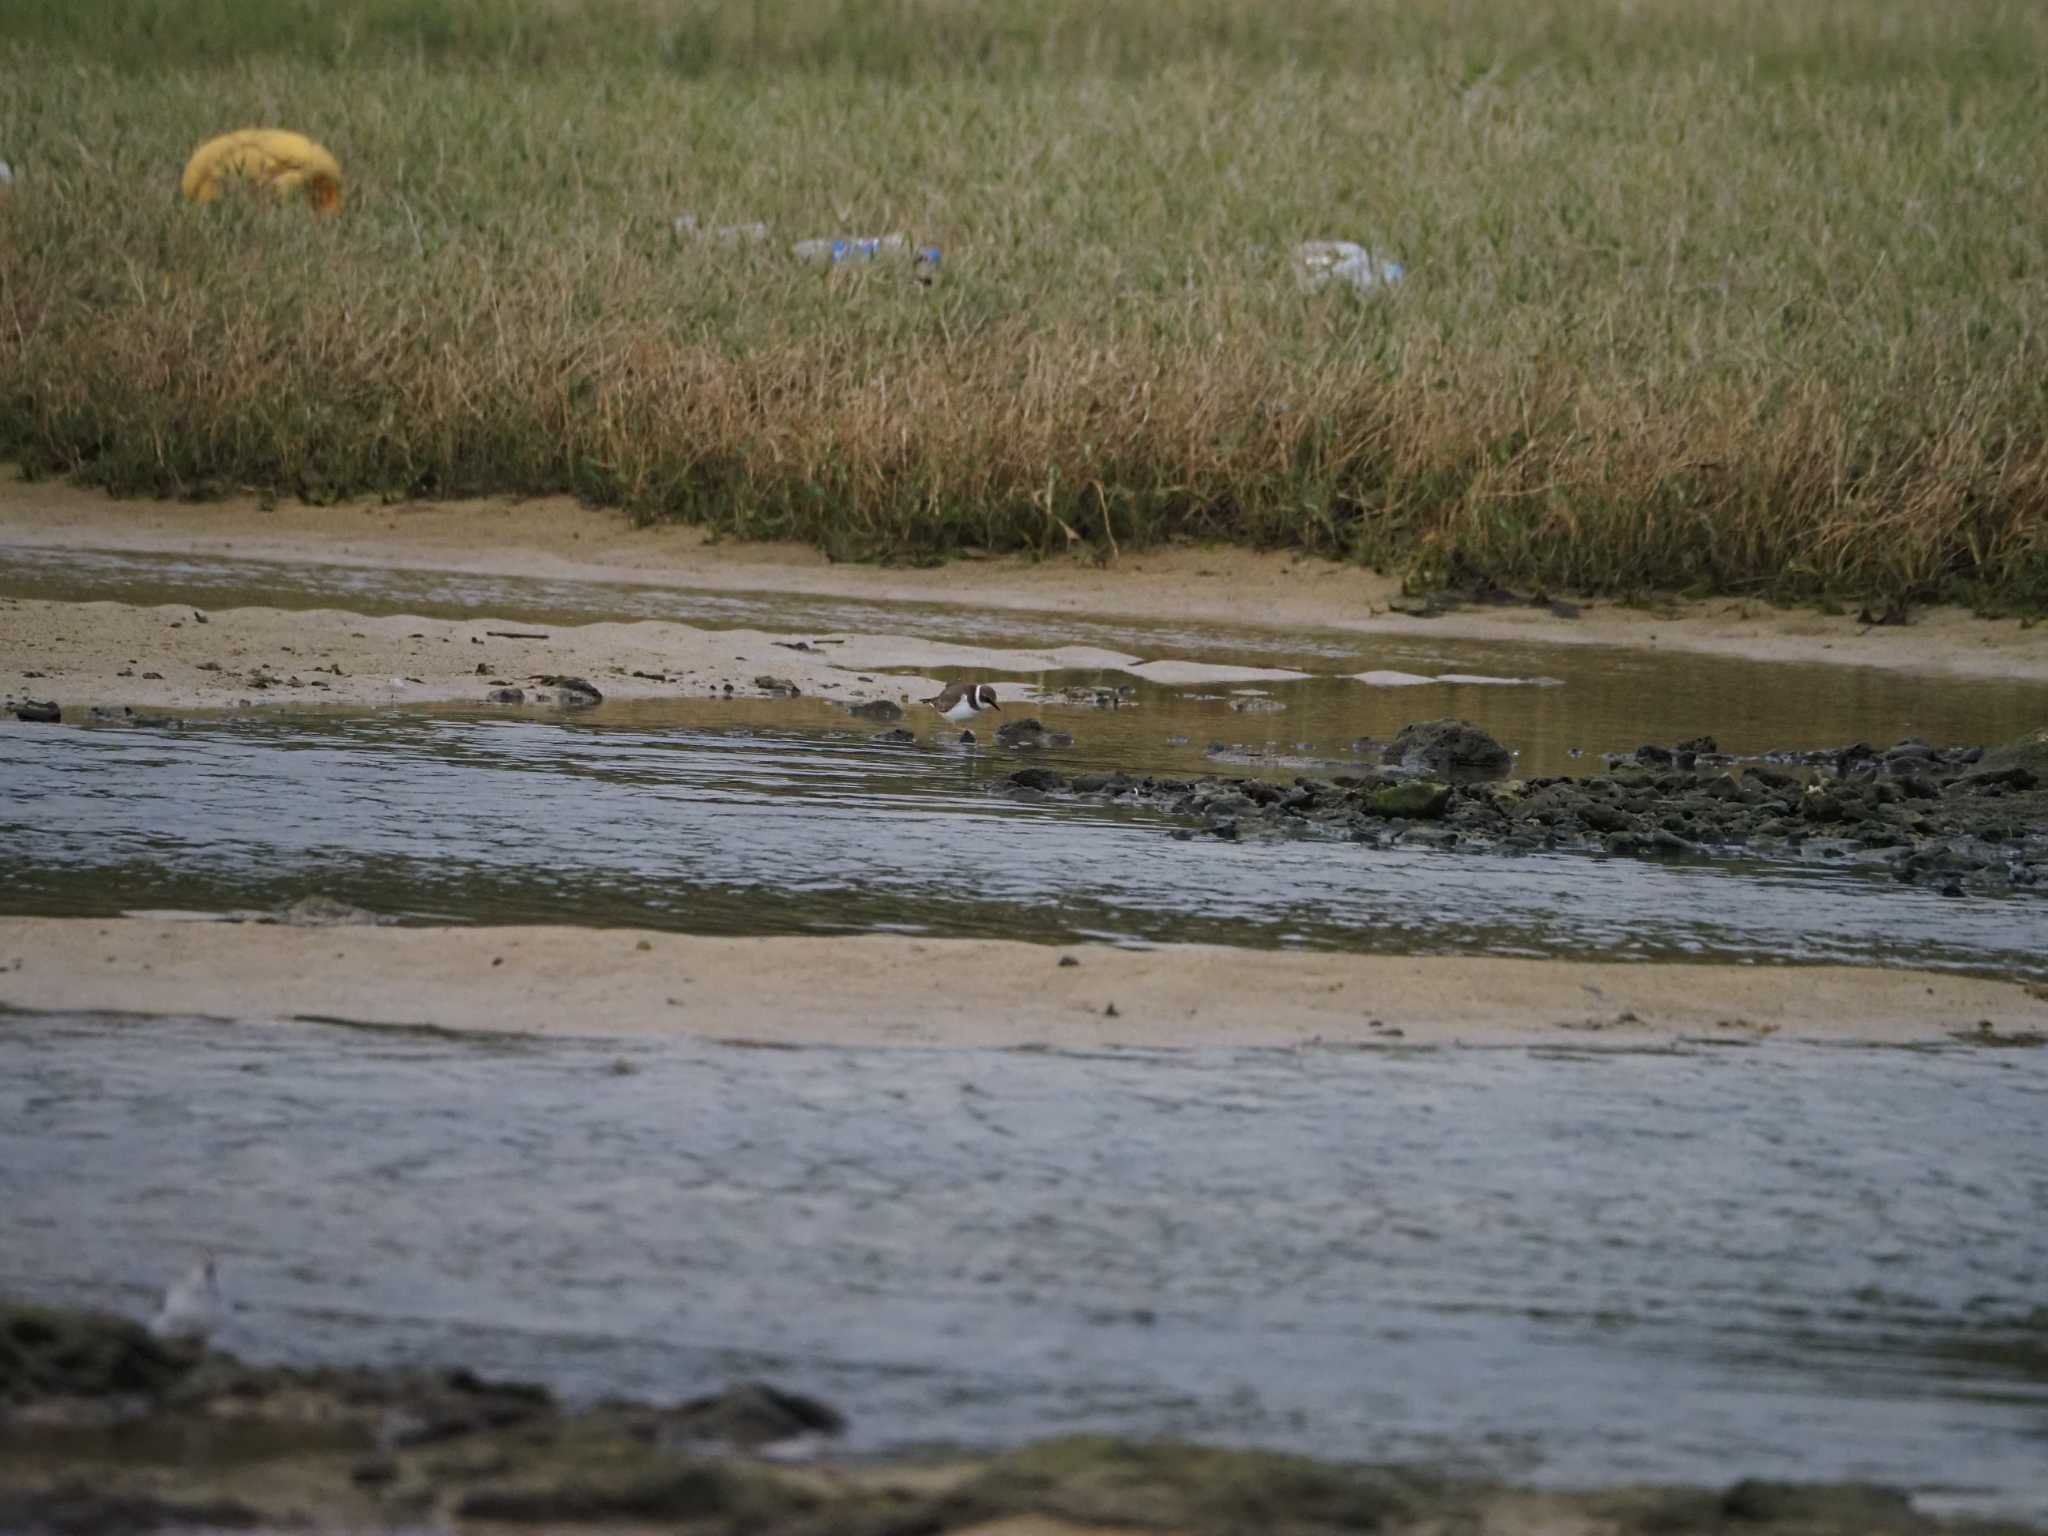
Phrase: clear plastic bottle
[1319,263]
[849,248]
[687,228]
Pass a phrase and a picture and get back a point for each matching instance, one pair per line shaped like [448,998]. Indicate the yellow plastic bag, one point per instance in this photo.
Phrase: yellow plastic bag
[273,157]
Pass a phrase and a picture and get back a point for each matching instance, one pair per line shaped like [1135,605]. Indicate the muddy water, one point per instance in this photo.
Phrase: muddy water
[528,820]
[1612,699]
[1571,1268]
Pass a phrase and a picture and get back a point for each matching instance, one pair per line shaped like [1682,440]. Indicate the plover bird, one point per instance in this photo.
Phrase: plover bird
[191,1309]
[963,701]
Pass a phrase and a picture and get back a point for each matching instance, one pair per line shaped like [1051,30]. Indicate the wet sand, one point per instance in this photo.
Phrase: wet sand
[555,537]
[897,991]
[111,655]
[868,990]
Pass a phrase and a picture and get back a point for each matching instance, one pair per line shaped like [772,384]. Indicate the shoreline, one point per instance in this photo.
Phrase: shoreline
[557,538]
[391,1448]
[892,991]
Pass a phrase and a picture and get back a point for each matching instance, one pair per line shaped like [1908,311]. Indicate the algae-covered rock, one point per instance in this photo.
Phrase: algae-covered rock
[1093,1478]
[755,1413]
[1453,749]
[1418,800]
[697,1490]
[2029,752]
[1755,1505]
[52,1352]
[78,1507]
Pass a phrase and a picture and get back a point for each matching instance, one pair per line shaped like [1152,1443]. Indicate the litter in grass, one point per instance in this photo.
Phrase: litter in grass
[687,227]
[1319,263]
[275,158]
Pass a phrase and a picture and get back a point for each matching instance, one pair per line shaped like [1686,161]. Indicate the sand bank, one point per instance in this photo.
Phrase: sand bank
[892,990]
[166,657]
[557,538]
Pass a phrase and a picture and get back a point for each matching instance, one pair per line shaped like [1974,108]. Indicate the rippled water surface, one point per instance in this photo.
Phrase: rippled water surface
[1566,1267]
[1577,1269]
[477,820]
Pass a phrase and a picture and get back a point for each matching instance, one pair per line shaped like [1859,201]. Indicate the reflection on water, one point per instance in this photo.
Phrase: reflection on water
[475,820]
[1573,1268]
[1613,699]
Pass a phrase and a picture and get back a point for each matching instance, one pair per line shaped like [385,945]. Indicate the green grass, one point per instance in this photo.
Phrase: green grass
[1703,296]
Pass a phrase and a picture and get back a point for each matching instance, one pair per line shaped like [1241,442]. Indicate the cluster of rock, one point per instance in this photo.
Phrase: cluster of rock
[87,1401]
[1951,818]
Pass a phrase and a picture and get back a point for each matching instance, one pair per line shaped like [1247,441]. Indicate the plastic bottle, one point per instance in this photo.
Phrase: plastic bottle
[687,228]
[1319,263]
[846,248]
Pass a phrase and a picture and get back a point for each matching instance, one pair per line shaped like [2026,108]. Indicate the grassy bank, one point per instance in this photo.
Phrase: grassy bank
[1736,297]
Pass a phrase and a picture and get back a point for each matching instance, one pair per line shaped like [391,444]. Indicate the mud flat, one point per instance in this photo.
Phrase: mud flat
[557,538]
[104,1428]
[889,990]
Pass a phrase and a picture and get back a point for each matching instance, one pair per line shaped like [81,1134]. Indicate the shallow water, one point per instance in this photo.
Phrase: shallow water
[544,821]
[1612,699]
[1570,1268]
[1566,1267]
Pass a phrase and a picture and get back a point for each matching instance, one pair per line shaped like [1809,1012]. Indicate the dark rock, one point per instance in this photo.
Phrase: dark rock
[754,1413]
[1090,1480]
[74,1509]
[38,712]
[1699,744]
[507,696]
[1606,818]
[877,709]
[1837,1506]
[1453,749]
[691,1491]
[2015,776]
[781,686]
[1037,778]
[575,691]
[1027,732]
[1419,800]
[53,1352]
[2030,752]
[899,734]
